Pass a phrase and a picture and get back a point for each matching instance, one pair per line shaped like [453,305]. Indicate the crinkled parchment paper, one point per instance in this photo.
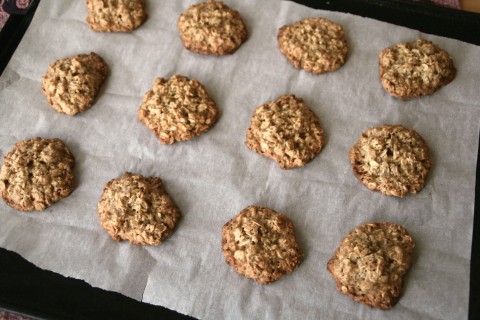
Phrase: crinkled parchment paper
[214,176]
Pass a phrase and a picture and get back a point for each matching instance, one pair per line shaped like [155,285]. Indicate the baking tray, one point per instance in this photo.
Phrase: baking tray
[28,290]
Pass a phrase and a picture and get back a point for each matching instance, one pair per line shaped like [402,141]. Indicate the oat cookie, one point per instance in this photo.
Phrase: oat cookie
[370,263]
[211,28]
[392,159]
[260,244]
[72,84]
[115,15]
[137,209]
[412,69]
[287,131]
[36,173]
[317,45]
[177,109]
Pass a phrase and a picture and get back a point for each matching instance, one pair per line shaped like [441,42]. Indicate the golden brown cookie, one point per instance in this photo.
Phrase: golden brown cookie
[317,45]
[370,263]
[412,69]
[72,84]
[36,173]
[115,15]
[392,159]
[137,209]
[211,28]
[260,244]
[177,109]
[285,130]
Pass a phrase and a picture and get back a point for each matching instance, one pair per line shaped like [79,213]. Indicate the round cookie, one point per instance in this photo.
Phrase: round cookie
[177,109]
[412,69]
[287,131]
[317,45]
[72,84]
[392,159]
[36,173]
[370,263]
[260,244]
[211,28]
[137,209]
[115,15]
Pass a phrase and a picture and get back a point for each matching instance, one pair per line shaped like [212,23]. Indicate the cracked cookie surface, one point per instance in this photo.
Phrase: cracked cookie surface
[412,69]
[392,159]
[285,130]
[260,244]
[177,109]
[317,45]
[36,173]
[211,28]
[115,15]
[72,84]
[370,263]
[137,209]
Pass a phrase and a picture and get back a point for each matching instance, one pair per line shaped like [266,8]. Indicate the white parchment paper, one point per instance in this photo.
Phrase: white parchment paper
[214,176]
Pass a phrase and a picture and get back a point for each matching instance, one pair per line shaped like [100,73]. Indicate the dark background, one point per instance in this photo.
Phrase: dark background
[28,290]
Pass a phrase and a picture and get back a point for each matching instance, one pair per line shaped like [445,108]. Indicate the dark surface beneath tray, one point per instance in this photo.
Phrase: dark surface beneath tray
[26,289]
